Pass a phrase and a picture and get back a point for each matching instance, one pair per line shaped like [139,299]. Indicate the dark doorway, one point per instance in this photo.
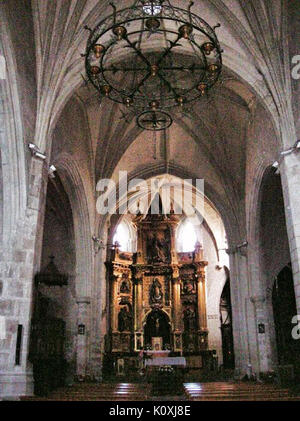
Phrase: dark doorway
[226,327]
[284,309]
[47,348]
[157,325]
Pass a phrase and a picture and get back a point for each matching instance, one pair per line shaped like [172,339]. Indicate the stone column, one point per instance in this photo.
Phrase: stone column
[82,337]
[259,303]
[290,177]
[99,312]
[262,345]
[241,312]
[201,302]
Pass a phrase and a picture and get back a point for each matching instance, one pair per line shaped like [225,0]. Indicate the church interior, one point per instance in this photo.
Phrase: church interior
[152,296]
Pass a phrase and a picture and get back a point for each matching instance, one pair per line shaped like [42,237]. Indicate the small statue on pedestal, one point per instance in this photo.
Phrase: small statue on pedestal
[189,319]
[156,295]
[124,320]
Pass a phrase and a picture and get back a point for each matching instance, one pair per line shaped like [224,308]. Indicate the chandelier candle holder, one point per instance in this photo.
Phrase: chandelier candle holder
[152,57]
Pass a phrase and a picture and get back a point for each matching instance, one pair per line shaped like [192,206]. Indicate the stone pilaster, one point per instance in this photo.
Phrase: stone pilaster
[240,312]
[262,345]
[82,337]
[262,330]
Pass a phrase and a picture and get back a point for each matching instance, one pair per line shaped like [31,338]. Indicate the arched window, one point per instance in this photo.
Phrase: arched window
[186,236]
[123,237]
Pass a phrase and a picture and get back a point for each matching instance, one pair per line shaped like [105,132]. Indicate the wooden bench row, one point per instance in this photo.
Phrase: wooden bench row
[236,391]
[98,392]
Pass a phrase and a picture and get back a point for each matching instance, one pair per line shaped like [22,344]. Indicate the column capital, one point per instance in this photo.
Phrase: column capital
[200,274]
[231,250]
[137,280]
[240,249]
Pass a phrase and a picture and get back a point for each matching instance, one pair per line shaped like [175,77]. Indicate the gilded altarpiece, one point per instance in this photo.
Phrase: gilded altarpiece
[157,296]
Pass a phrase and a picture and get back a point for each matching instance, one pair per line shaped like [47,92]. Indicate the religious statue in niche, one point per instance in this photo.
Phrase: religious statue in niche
[158,247]
[188,287]
[189,319]
[189,342]
[155,293]
[124,320]
[177,342]
[125,287]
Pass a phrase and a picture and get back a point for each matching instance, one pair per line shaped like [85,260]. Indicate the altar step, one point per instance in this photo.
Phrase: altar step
[236,391]
[98,392]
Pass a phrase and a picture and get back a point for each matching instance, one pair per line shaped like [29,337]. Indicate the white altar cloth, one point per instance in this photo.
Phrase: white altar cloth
[159,361]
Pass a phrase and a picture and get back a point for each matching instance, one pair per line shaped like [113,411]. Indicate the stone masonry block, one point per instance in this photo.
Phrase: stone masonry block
[4,358]
[11,326]
[5,344]
[15,289]
[20,256]
[6,307]
[26,272]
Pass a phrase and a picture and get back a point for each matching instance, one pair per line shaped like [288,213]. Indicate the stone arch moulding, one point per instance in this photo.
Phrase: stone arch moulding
[253,224]
[12,145]
[212,198]
[72,182]
[269,171]
[214,295]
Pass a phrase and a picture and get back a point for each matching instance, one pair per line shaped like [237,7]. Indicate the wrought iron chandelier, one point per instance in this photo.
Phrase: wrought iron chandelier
[152,57]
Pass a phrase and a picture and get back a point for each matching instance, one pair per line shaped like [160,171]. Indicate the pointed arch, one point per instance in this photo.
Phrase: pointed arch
[74,187]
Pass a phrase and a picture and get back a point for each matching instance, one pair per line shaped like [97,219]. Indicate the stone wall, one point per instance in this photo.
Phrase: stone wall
[58,241]
[275,253]
[294,50]
[1,193]
[18,266]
